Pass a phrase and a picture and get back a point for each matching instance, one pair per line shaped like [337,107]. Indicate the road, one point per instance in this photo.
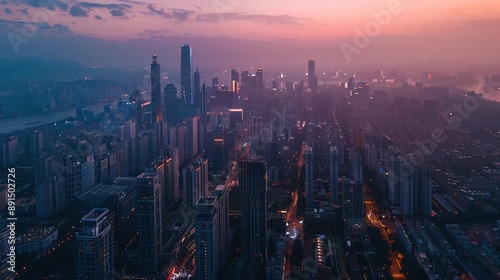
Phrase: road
[294,229]
[232,178]
[374,220]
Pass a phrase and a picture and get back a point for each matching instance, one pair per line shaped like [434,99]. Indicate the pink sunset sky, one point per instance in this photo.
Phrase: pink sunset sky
[460,30]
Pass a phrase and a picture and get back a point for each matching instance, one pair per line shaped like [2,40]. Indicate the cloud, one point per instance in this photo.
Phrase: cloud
[485,24]
[55,30]
[98,17]
[159,12]
[133,2]
[83,9]
[12,22]
[152,33]
[117,13]
[24,11]
[269,19]
[77,11]
[104,6]
[8,11]
[177,14]
[44,28]
[50,5]
[181,15]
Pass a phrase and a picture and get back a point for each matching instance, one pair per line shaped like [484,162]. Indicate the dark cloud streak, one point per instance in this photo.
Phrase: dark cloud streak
[117,13]
[83,9]
[50,5]
[159,12]
[179,15]
[269,19]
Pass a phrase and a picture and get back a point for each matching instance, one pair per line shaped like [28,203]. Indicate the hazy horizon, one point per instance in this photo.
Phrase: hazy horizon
[242,33]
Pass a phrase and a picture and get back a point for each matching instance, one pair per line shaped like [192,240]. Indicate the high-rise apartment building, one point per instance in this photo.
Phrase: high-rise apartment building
[149,219]
[253,187]
[309,174]
[208,256]
[93,246]
[334,175]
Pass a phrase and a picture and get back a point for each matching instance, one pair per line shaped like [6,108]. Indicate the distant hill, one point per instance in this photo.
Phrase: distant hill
[39,70]
[36,68]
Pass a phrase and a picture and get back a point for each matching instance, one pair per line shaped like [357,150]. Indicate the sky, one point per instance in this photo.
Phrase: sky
[253,32]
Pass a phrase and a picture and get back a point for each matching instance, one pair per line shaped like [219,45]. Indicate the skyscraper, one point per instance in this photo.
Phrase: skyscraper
[72,177]
[197,89]
[156,114]
[9,146]
[203,165]
[260,80]
[187,74]
[235,80]
[408,198]
[93,253]
[50,186]
[192,136]
[334,175]
[191,185]
[309,167]
[173,153]
[396,179]
[356,164]
[244,81]
[88,170]
[352,195]
[203,105]
[222,194]
[253,187]
[207,238]
[119,199]
[424,191]
[311,75]
[215,84]
[171,104]
[33,144]
[149,219]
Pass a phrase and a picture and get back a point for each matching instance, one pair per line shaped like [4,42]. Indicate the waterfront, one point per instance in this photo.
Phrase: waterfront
[11,125]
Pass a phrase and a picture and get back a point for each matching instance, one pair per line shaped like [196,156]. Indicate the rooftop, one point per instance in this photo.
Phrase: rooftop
[96,214]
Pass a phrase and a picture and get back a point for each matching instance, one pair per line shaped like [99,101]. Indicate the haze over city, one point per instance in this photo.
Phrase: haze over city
[243,32]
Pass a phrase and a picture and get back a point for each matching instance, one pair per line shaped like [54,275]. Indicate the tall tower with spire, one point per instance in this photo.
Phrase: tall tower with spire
[156,112]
